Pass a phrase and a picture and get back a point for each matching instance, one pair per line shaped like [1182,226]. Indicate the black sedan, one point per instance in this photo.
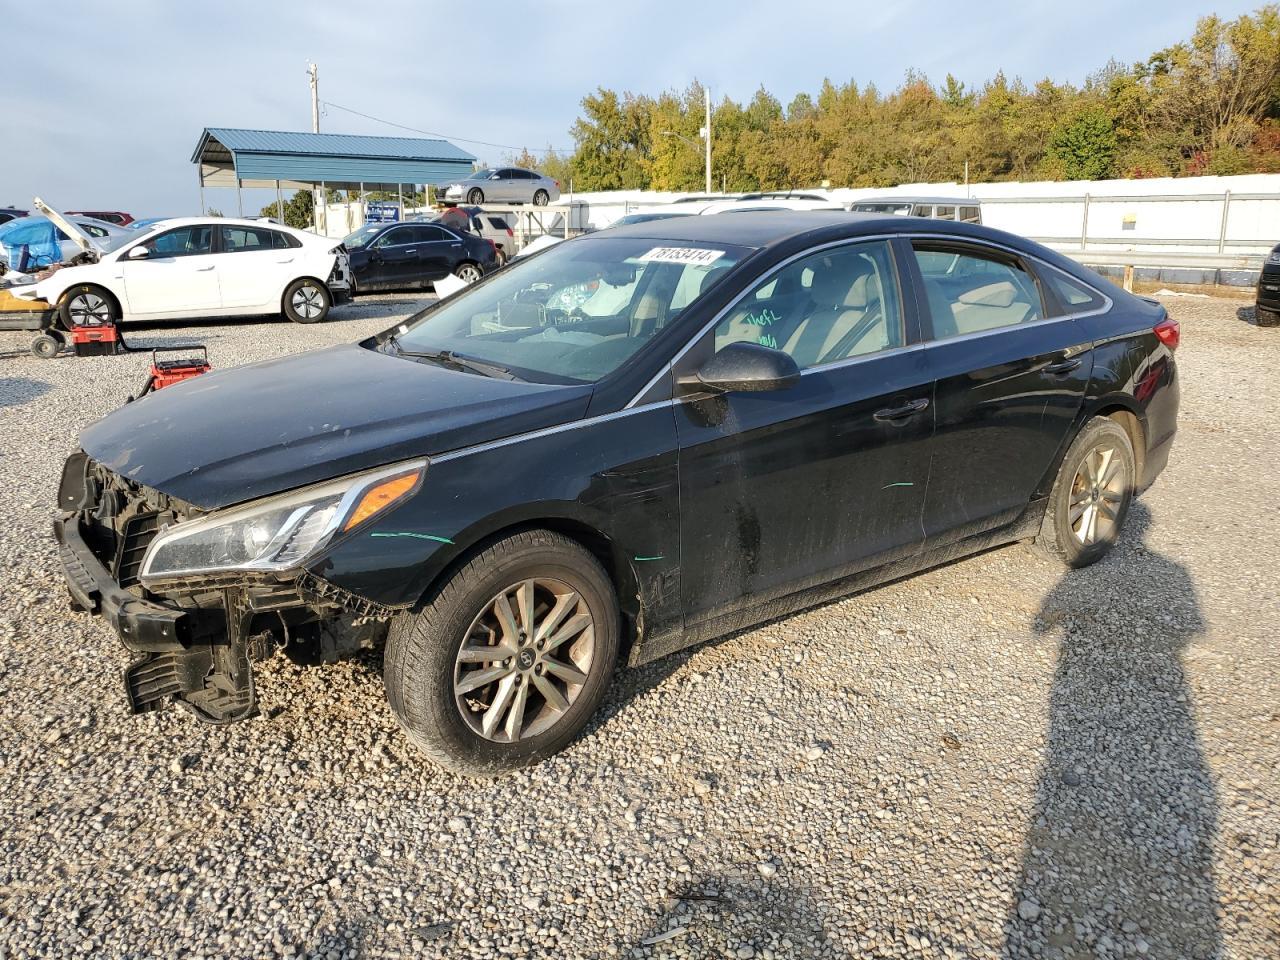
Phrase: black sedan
[1267,308]
[633,442]
[389,256]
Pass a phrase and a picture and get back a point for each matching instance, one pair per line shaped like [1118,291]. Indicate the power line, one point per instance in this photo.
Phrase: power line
[442,136]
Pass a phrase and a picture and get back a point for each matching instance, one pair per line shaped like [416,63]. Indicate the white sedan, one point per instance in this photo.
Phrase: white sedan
[202,267]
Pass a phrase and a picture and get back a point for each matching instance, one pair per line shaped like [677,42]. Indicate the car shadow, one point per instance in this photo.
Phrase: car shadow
[1248,314]
[19,390]
[1118,858]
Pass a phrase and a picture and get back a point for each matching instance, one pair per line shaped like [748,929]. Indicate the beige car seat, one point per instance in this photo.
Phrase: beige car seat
[844,301]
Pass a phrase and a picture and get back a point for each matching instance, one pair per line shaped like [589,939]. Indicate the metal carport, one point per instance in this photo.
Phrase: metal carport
[228,157]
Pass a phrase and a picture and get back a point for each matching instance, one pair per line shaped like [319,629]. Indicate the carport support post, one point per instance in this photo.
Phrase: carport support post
[1222,230]
[239,198]
[1084,224]
[279,203]
[200,178]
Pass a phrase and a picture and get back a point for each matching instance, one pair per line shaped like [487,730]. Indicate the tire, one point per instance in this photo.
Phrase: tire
[87,305]
[1266,318]
[540,198]
[425,667]
[475,196]
[307,301]
[1077,501]
[45,347]
[468,272]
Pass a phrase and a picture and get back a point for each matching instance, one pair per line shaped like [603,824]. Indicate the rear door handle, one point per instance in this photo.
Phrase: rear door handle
[204,269]
[286,260]
[890,414]
[1063,366]
[412,250]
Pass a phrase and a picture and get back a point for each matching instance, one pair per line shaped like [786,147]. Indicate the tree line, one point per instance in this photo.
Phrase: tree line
[1207,105]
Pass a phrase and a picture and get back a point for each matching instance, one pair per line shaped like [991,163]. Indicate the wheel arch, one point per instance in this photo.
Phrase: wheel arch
[111,295]
[587,534]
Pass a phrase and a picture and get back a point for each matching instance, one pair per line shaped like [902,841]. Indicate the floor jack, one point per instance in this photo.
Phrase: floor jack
[101,340]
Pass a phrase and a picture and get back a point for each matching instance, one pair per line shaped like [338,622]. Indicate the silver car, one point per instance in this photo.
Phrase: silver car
[502,185]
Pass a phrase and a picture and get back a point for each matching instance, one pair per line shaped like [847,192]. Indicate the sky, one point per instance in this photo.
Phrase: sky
[113,122]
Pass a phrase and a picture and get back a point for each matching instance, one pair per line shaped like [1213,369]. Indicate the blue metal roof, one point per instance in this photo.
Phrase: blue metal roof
[334,158]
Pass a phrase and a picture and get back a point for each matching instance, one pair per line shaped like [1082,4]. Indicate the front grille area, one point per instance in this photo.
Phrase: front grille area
[118,518]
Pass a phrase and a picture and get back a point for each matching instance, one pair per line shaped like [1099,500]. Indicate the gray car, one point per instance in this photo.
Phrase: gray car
[502,185]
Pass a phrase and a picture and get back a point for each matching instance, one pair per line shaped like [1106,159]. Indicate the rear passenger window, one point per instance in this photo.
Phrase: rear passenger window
[1074,296]
[825,307]
[970,215]
[971,293]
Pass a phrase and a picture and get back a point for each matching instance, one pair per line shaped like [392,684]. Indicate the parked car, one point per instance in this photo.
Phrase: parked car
[502,185]
[29,243]
[11,213]
[397,255]
[647,216]
[107,216]
[771,203]
[1267,308]
[637,440]
[198,267]
[490,226]
[964,209]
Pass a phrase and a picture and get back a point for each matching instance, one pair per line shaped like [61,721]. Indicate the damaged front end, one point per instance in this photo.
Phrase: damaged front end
[199,596]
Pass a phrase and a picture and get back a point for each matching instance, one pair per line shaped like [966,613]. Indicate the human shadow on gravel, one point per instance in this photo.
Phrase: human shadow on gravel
[16,390]
[1119,853]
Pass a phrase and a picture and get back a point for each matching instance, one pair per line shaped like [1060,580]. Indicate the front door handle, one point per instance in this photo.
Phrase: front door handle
[890,414]
[411,250]
[204,269]
[1063,366]
[285,260]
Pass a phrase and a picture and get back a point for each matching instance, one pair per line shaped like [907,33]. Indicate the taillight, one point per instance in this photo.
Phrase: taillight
[510,232]
[557,183]
[1169,332]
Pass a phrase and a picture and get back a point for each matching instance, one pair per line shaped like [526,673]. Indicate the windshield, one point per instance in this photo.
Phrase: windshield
[354,241]
[899,208]
[116,241]
[481,175]
[574,313]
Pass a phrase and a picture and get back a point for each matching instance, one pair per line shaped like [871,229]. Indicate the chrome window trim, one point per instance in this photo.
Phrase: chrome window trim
[850,361]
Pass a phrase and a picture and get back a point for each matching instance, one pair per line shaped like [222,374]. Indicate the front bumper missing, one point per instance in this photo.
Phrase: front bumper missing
[198,657]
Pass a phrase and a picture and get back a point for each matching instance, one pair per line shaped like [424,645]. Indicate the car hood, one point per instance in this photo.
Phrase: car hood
[234,435]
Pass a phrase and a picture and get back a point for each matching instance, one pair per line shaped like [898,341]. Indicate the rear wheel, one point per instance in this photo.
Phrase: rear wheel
[467,272]
[307,301]
[1091,495]
[508,660]
[540,198]
[86,306]
[475,196]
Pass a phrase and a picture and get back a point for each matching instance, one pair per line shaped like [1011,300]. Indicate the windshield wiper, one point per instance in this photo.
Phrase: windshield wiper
[456,360]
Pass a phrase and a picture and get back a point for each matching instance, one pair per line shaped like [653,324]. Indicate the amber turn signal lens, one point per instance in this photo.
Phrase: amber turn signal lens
[379,498]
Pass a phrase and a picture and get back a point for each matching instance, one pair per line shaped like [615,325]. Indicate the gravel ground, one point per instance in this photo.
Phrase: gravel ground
[993,759]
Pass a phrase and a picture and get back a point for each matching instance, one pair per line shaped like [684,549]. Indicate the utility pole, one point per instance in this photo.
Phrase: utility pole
[313,74]
[317,196]
[706,133]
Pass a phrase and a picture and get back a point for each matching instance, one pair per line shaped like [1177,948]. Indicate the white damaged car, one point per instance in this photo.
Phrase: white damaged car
[199,267]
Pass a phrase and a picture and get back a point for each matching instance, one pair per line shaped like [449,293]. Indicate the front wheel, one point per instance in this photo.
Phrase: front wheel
[475,197]
[87,306]
[1266,318]
[540,198]
[307,301]
[508,660]
[1091,495]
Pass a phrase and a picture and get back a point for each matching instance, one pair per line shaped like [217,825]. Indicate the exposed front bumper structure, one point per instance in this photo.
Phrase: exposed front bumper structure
[196,656]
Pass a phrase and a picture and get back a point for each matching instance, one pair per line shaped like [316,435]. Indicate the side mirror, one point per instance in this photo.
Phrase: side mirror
[139,253]
[747,368]
[495,177]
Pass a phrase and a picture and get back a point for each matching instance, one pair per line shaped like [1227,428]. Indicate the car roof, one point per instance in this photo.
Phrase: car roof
[767,228]
[905,198]
[224,222]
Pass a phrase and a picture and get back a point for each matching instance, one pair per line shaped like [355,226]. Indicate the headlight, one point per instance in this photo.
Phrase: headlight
[278,533]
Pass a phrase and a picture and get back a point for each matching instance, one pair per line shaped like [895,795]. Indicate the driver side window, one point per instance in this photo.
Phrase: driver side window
[189,241]
[823,308]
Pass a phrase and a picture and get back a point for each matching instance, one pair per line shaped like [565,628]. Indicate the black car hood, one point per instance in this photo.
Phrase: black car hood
[234,435]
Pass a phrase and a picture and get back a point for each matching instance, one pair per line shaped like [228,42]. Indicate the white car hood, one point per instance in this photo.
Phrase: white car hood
[70,228]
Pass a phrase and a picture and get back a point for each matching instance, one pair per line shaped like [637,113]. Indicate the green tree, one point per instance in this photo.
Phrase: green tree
[1084,147]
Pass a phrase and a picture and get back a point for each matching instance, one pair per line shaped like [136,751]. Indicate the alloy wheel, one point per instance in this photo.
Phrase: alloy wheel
[1097,495]
[307,302]
[524,660]
[89,309]
[468,273]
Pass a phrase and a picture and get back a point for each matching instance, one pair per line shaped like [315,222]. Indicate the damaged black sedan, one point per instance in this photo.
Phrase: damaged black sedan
[630,443]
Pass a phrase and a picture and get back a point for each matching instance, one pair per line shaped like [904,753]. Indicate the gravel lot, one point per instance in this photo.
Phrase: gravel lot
[994,759]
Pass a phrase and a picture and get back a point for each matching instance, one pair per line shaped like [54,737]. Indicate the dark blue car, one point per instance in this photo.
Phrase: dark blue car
[389,256]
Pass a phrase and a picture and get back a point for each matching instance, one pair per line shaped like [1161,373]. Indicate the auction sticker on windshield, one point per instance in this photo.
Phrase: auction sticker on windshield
[693,255]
